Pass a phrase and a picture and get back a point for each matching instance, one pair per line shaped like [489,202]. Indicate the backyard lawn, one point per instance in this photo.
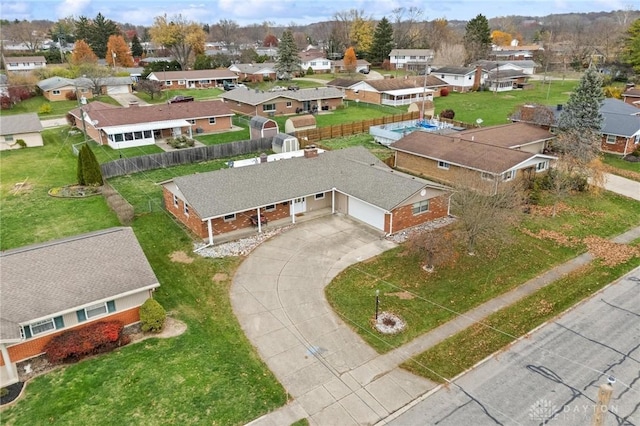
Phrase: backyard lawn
[495,108]
[209,375]
[58,109]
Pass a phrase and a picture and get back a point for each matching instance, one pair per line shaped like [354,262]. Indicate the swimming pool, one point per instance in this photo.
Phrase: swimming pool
[386,134]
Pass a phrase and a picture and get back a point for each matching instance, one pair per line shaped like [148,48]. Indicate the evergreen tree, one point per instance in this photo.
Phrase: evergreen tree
[91,172]
[136,46]
[631,49]
[582,110]
[382,42]
[79,171]
[477,39]
[288,62]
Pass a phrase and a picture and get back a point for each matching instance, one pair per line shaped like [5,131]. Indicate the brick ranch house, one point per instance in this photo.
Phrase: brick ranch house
[350,181]
[58,88]
[121,127]
[59,285]
[283,102]
[254,73]
[195,79]
[491,155]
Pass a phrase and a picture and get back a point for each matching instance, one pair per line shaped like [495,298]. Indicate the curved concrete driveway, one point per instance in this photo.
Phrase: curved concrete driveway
[278,297]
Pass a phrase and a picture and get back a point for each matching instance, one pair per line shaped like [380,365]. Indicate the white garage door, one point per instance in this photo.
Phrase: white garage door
[117,90]
[366,213]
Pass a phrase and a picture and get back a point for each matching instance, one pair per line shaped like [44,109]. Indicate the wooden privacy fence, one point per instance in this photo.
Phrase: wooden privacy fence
[125,166]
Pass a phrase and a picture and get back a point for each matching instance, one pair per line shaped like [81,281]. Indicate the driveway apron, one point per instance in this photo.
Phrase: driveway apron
[278,297]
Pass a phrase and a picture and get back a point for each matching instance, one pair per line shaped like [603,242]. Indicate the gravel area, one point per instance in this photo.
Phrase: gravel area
[244,246]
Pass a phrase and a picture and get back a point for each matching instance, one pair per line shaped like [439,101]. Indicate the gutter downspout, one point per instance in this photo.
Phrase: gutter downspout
[293,211]
[626,144]
[210,231]
[333,201]
[259,221]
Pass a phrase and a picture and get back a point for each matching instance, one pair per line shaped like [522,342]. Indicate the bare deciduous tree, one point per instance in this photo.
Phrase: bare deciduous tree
[408,27]
[437,247]
[449,55]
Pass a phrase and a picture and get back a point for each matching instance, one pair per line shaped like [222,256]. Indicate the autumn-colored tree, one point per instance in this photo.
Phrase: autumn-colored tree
[501,38]
[362,34]
[270,41]
[350,61]
[82,54]
[118,52]
[184,39]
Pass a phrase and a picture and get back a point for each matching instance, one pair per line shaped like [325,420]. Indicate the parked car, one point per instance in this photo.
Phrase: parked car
[364,71]
[180,98]
[229,86]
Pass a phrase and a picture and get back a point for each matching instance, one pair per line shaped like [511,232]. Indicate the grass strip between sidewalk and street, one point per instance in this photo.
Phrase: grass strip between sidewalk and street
[463,350]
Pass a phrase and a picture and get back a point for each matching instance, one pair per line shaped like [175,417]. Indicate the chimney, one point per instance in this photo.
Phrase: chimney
[263,158]
[311,151]
[477,78]
[526,113]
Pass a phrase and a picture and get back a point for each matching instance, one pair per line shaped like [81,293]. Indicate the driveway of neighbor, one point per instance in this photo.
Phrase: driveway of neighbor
[126,99]
[278,296]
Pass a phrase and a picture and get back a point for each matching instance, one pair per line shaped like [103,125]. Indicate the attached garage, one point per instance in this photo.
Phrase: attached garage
[117,90]
[366,213]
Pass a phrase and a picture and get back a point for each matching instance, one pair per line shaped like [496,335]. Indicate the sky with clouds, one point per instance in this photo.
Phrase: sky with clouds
[284,12]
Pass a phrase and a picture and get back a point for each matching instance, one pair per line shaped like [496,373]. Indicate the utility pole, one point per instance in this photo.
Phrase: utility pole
[424,87]
[601,408]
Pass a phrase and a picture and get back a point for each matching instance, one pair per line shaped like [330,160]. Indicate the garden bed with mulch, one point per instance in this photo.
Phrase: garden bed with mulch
[75,191]
[12,392]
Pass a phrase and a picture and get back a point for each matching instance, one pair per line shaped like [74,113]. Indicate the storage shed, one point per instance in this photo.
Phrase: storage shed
[283,142]
[262,127]
[300,122]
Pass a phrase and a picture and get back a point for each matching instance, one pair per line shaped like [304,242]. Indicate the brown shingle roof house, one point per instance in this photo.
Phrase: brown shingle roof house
[52,287]
[121,127]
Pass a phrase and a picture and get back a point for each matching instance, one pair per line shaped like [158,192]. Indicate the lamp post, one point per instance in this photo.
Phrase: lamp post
[113,55]
[377,303]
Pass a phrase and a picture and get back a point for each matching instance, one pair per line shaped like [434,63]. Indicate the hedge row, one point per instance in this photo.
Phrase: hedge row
[76,344]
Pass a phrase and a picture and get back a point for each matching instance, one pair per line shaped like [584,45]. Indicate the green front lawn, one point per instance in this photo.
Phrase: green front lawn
[58,108]
[616,165]
[473,279]
[198,95]
[470,346]
[495,108]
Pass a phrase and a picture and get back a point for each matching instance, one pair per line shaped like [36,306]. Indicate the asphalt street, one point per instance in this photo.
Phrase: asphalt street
[553,376]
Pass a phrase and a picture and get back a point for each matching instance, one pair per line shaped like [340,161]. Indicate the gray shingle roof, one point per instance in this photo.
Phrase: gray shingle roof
[256,97]
[619,118]
[46,279]
[20,123]
[354,171]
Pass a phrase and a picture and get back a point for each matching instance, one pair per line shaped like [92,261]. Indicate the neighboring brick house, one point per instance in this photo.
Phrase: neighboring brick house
[350,181]
[59,285]
[193,79]
[121,127]
[25,127]
[620,123]
[62,89]
[254,72]
[492,154]
[393,91]
[24,63]
[631,96]
[282,102]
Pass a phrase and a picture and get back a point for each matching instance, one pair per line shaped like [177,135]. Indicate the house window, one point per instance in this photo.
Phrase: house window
[192,121]
[319,196]
[147,134]
[420,207]
[168,83]
[313,64]
[486,176]
[289,104]
[270,208]
[8,138]
[137,135]
[96,310]
[212,120]
[412,57]
[230,217]
[325,63]
[443,165]
[186,209]
[611,139]
[42,326]
[269,107]
[175,200]
[181,82]
[55,92]
[118,137]
[542,166]
[507,176]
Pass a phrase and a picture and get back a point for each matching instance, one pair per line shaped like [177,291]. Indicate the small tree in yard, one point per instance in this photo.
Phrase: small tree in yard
[89,166]
[350,60]
[485,212]
[437,247]
[150,87]
[152,316]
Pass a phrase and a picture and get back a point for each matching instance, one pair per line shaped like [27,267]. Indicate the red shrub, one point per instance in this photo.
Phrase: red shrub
[444,91]
[75,344]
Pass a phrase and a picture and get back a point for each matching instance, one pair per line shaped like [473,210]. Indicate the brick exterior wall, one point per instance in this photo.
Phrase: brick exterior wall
[62,96]
[33,347]
[425,167]
[281,106]
[619,146]
[403,216]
